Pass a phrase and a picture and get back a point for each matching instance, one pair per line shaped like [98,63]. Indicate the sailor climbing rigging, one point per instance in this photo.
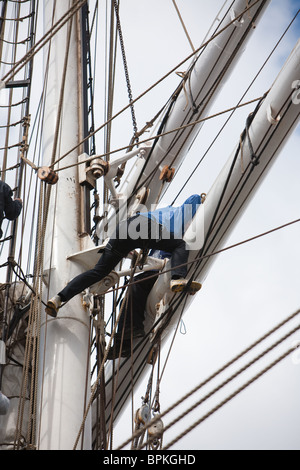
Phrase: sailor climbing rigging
[161,229]
[9,208]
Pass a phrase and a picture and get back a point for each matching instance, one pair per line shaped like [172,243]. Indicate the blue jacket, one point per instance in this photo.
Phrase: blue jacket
[8,208]
[176,219]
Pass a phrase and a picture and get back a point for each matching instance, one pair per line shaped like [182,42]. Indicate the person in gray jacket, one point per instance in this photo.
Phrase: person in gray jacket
[9,208]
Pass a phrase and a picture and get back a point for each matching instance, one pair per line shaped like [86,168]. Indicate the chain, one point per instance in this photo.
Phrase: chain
[135,130]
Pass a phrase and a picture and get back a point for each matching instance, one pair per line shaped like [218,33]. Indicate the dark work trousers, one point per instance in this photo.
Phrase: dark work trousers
[135,303]
[136,232]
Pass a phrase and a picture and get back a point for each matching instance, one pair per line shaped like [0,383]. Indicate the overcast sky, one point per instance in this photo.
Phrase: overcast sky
[251,288]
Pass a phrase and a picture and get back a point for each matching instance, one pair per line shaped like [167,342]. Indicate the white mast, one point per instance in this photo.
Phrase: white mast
[64,375]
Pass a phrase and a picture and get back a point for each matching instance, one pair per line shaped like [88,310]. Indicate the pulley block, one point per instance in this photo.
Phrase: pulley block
[156,430]
[142,414]
[99,167]
[155,434]
[4,404]
[46,174]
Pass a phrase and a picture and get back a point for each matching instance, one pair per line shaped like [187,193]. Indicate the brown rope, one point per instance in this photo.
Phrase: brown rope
[222,369]
[235,245]
[160,80]
[156,136]
[230,397]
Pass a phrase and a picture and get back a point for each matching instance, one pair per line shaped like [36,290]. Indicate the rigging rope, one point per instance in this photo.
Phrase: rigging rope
[62,90]
[183,25]
[32,337]
[95,386]
[14,104]
[233,395]
[265,336]
[160,80]
[233,111]
[13,43]
[204,100]
[138,442]
[221,250]
[43,41]
[16,19]
[228,248]
[162,134]
[222,369]
[216,220]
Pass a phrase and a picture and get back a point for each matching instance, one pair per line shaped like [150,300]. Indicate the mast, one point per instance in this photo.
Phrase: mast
[64,373]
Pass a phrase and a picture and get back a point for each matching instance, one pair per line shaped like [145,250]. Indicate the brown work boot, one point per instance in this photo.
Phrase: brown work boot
[53,306]
[183,285]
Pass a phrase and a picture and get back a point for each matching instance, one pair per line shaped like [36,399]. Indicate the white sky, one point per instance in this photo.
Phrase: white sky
[251,288]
